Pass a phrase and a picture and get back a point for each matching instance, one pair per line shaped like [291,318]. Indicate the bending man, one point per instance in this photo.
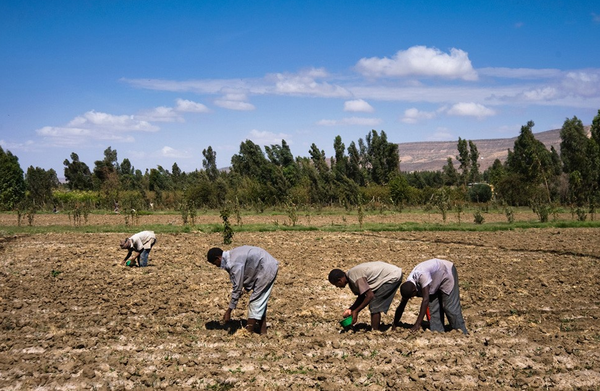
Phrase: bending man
[375,284]
[140,243]
[436,282]
[251,269]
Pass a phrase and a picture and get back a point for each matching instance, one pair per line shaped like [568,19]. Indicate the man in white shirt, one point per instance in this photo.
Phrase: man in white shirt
[140,243]
[375,284]
[436,282]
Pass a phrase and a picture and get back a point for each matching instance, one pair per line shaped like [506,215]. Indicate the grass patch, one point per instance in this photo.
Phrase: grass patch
[271,227]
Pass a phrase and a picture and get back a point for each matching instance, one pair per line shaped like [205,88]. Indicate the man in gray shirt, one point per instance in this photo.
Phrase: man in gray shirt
[250,269]
[375,284]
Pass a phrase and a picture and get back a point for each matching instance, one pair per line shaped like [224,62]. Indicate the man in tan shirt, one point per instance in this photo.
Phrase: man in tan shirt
[375,284]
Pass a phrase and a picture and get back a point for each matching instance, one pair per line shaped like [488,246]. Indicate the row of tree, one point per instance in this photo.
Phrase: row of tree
[367,171]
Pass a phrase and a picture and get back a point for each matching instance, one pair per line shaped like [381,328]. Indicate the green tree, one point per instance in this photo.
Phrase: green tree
[474,175]
[209,163]
[105,169]
[495,173]
[531,162]
[341,160]
[77,174]
[450,174]
[106,178]
[355,167]
[250,161]
[40,184]
[129,177]
[12,183]
[464,160]
[281,156]
[580,158]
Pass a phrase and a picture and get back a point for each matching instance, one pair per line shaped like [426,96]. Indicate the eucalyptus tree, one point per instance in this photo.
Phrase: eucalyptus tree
[580,158]
[355,169]
[12,183]
[209,163]
[464,160]
[474,174]
[77,174]
[40,184]
[532,164]
[450,175]
[281,156]
[382,157]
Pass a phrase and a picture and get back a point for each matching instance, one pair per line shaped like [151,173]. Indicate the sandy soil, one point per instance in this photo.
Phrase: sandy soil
[72,318]
[304,218]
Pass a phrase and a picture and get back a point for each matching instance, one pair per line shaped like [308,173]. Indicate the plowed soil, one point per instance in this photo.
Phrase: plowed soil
[72,318]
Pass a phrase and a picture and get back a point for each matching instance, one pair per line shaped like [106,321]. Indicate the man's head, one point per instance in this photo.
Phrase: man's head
[214,256]
[125,244]
[408,290]
[338,278]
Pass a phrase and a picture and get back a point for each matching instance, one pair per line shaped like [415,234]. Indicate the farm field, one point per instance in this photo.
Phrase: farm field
[71,318]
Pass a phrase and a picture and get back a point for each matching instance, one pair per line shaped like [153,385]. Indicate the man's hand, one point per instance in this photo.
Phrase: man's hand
[354,316]
[227,316]
[415,328]
[347,312]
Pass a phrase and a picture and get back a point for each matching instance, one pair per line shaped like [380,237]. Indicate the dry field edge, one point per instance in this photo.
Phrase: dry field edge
[72,318]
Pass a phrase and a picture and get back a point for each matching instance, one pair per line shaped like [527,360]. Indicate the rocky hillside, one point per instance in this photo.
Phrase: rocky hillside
[432,155]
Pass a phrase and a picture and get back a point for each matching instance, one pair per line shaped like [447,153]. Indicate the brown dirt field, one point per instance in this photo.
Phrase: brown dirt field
[312,218]
[72,318]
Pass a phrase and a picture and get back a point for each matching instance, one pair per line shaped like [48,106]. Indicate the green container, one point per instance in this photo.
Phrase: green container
[346,322]
[128,263]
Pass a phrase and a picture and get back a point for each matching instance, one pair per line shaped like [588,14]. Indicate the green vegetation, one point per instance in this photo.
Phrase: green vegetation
[349,221]
[365,177]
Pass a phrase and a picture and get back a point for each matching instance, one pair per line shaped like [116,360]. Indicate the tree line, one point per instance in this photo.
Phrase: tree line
[367,172]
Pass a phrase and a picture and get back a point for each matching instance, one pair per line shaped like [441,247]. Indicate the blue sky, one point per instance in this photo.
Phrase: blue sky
[159,81]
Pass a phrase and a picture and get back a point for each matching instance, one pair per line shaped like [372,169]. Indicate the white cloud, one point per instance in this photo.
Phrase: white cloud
[413,115]
[160,114]
[441,134]
[268,138]
[595,17]
[95,125]
[305,83]
[582,83]
[188,106]
[102,121]
[470,110]
[358,105]
[497,86]
[420,61]
[520,73]
[546,93]
[235,101]
[25,146]
[360,121]
[169,152]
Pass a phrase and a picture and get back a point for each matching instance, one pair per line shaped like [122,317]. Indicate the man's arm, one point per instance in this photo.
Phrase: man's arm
[423,310]
[399,312]
[361,302]
[236,275]
[227,315]
[127,257]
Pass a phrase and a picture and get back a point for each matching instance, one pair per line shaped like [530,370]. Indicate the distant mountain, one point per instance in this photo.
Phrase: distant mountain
[433,155]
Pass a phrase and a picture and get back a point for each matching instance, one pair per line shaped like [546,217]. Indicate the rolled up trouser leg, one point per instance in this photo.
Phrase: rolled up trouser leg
[452,307]
[258,306]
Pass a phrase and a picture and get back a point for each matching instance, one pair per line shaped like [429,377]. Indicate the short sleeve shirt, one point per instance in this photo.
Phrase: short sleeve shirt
[375,273]
[435,273]
[142,240]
